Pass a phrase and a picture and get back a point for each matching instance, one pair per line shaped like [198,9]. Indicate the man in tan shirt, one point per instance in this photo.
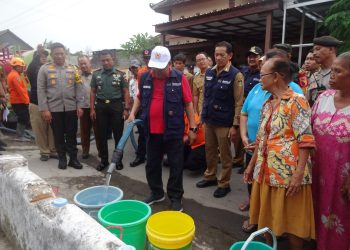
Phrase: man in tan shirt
[223,100]
[198,81]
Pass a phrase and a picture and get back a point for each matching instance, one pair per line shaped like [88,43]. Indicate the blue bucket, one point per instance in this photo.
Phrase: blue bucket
[92,199]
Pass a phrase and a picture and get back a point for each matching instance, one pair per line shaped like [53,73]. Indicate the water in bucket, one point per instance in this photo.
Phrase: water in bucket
[92,199]
[170,230]
[127,220]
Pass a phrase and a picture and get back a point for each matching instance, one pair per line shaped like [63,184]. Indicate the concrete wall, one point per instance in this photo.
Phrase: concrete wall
[30,221]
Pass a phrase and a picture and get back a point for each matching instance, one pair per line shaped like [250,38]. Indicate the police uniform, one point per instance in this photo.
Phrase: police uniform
[109,85]
[60,91]
[324,75]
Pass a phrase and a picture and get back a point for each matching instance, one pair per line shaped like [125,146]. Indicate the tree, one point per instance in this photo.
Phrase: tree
[138,43]
[337,22]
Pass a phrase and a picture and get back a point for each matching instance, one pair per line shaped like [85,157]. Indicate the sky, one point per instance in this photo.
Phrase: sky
[81,25]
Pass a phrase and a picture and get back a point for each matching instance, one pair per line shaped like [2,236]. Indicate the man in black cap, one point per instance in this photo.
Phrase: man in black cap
[252,72]
[284,46]
[325,52]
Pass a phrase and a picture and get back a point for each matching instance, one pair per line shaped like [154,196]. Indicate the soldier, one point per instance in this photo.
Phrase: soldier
[108,88]
[85,121]
[60,99]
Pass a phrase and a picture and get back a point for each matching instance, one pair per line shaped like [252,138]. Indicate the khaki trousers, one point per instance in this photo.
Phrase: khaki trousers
[85,131]
[217,137]
[43,132]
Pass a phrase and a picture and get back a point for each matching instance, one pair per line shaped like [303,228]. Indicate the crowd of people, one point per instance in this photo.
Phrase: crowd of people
[290,127]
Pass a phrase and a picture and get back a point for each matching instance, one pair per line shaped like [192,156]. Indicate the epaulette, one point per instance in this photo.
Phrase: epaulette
[119,71]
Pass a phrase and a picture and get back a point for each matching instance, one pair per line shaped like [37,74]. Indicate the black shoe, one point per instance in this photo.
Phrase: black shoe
[85,155]
[119,166]
[221,192]
[154,199]
[62,163]
[102,166]
[176,205]
[74,163]
[205,183]
[137,161]
[44,157]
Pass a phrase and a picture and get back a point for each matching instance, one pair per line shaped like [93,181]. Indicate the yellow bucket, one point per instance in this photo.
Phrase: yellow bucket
[170,230]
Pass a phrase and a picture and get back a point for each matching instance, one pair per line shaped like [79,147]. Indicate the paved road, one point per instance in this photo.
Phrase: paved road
[218,221]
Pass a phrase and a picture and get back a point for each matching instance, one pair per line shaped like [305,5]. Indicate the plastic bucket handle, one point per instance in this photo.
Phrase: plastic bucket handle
[120,229]
[259,232]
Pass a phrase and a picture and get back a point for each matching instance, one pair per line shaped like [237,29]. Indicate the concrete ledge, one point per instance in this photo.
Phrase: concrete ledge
[30,221]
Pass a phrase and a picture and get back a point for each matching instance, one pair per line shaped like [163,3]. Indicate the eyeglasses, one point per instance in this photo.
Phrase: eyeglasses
[262,75]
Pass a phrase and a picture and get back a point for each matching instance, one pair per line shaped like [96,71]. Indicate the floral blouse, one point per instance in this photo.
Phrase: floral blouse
[281,133]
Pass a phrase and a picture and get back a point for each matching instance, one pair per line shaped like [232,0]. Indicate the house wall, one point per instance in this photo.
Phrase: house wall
[191,9]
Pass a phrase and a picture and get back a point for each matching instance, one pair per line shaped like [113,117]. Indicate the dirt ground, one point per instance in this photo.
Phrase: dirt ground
[218,221]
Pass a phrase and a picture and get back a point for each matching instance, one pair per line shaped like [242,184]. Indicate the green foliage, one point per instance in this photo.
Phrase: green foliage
[140,42]
[337,22]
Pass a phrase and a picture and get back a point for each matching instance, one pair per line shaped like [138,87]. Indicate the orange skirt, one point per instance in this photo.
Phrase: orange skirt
[269,207]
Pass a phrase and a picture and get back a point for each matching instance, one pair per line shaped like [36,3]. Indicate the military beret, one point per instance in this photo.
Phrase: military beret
[147,53]
[283,46]
[327,41]
[255,50]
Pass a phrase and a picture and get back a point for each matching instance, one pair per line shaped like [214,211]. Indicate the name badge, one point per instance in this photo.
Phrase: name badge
[226,82]
[146,87]
[176,83]
[209,78]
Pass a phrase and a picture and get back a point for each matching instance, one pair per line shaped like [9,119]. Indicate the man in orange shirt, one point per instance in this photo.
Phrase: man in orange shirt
[194,154]
[19,97]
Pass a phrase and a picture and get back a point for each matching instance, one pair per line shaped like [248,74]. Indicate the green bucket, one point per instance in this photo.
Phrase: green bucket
[249,244]
[254,245]
[127,220]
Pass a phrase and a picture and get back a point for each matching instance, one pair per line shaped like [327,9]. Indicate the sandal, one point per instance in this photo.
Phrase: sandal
[249,228]
[244,206]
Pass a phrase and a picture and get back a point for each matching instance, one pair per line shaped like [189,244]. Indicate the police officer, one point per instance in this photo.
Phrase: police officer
[325,52]
[108,88]
[60,99]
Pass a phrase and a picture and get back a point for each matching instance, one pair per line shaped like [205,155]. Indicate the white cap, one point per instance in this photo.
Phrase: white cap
[160,57]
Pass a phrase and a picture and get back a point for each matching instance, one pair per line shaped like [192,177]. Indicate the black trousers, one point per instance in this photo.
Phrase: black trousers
[64,126]
[156,147]
[22,112]
[109,114]
[194,159]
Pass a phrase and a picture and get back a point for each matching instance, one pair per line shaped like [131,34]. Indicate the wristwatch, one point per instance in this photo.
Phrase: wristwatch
[194,130]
